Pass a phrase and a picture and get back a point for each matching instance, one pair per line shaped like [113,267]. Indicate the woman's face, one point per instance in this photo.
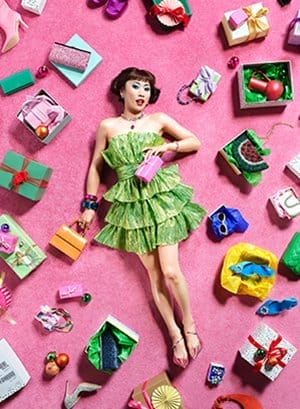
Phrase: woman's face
[136,95]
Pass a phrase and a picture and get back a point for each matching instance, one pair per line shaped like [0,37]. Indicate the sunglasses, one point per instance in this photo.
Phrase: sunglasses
[222,227]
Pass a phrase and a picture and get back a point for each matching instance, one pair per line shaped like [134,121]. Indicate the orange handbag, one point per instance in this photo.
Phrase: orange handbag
[69,241]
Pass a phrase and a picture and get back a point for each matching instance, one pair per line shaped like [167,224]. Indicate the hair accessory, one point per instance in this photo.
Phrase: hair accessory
[54,319]
[243,401]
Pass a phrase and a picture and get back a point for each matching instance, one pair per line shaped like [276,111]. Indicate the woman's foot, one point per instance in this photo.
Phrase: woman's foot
[180,355]
[192,340]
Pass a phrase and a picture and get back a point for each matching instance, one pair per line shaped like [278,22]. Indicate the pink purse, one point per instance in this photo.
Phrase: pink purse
[148,168]
[69,56]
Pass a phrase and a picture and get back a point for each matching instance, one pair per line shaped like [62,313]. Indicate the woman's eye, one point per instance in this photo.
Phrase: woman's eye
[135,86]
[147,89]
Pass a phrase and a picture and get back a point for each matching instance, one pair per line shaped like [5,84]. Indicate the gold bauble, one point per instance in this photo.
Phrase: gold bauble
[42,131]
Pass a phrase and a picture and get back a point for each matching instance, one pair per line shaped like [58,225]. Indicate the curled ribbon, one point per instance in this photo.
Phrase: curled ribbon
[22,175]
[205,83]
[273,352]
[177,14]
[255,24]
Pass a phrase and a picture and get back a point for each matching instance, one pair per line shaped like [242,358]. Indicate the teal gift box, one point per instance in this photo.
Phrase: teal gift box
[24,176]
[27,255]
[125,339]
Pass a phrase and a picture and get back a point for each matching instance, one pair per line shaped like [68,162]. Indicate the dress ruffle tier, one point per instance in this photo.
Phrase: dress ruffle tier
[142,215]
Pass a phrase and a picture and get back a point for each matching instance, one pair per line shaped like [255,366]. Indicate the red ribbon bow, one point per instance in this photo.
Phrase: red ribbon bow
[178,14]
[19,178]
[273,354]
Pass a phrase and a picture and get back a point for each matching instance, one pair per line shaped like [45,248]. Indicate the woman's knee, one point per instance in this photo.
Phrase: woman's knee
[171,273]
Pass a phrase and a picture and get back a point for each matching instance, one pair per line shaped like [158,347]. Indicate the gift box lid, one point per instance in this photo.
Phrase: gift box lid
[76,77]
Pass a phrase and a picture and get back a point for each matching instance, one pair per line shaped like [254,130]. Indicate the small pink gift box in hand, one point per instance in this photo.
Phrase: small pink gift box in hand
[148,168]
[7,243]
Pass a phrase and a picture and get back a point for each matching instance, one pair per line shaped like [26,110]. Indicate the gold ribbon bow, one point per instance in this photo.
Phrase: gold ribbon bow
[255,23]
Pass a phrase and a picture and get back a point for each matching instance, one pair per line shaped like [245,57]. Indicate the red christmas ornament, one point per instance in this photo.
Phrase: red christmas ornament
[233,62]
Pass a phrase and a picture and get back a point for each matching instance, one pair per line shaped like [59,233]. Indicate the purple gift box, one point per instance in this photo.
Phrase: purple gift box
[148,168]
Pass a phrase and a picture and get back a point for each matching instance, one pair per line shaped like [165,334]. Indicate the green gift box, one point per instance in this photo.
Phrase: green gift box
[27,255]
[24,176]
[125,338]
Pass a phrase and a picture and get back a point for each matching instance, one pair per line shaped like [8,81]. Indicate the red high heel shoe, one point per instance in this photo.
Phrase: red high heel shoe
[9,22]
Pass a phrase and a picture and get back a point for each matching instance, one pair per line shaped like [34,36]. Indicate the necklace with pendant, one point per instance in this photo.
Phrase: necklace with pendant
[133,119]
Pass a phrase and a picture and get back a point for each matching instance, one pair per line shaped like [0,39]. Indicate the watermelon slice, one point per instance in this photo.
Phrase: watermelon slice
[246,155]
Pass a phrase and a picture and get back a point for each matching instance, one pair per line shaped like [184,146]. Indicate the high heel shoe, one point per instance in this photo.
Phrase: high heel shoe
[9,22]
[274,307]
[70,400]
[115,8]
[193,348]
[179,361]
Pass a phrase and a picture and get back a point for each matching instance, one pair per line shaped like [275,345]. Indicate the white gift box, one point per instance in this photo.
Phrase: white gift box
[35,6]
[286,203]
[242,34]
[294,165]
[264,337]
[294,31]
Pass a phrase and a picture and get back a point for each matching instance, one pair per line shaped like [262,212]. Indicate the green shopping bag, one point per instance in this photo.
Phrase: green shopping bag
[291,255]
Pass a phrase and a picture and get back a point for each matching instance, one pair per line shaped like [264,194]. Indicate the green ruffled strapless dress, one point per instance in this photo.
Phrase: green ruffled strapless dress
[143,215]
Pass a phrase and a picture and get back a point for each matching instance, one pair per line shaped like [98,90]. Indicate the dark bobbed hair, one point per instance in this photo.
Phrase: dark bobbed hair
[133,73]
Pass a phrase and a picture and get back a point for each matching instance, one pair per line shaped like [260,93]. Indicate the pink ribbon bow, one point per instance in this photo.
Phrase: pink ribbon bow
[136,405]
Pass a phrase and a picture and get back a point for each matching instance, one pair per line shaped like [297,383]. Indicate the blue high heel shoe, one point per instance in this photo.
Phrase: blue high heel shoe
[273,307]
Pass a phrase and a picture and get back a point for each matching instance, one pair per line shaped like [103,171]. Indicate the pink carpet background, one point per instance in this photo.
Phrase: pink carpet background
[116,280]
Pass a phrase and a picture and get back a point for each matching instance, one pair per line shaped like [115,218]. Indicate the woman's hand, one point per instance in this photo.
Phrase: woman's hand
[86,219]
[156,150]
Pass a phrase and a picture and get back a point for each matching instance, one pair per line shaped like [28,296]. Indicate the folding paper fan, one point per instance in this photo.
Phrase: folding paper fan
[166,397]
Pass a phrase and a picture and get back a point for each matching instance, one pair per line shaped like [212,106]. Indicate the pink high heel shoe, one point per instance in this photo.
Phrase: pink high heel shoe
[9,22]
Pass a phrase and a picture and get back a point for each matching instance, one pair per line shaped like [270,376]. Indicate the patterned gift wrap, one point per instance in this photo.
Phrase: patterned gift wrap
[205,84]
[294,30]
[27,255]
[267,351]
[256,26]
[171,13]
[156,393]
[24,176]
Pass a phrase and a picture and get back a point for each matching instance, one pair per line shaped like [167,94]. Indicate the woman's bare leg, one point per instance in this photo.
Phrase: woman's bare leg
[163,303]
[169,263]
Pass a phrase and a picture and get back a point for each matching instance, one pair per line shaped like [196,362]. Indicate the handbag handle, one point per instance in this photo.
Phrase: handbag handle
[84,230]
[293,205]
[179,95]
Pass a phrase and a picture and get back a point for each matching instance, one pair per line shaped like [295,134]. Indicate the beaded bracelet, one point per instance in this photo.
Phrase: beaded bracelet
[92,198]
[89,205]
